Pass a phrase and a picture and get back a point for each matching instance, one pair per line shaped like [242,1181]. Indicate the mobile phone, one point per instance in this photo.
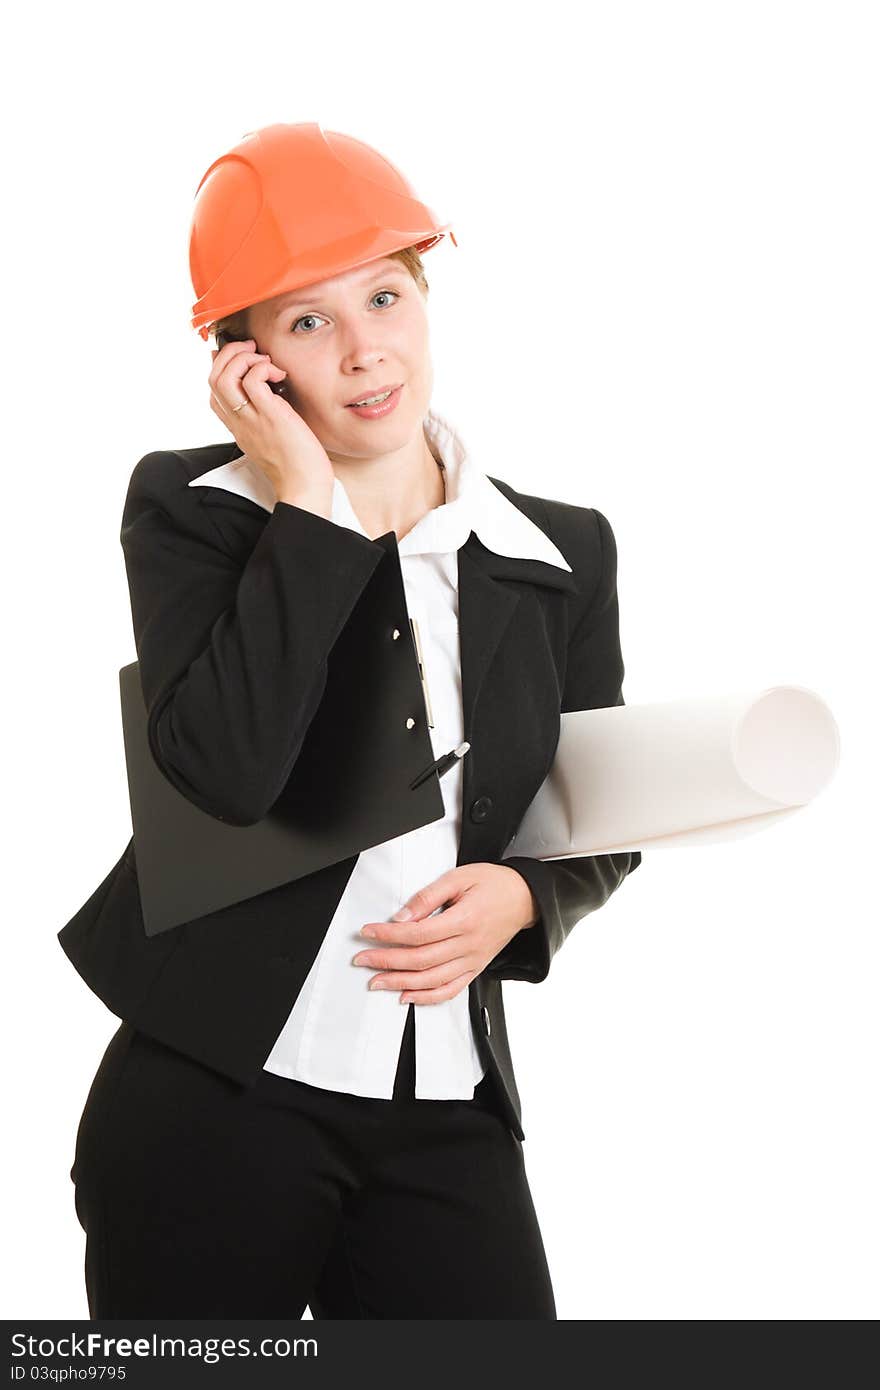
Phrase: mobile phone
[223,338]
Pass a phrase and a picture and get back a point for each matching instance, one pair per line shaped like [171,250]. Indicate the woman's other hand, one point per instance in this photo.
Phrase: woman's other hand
[432,958]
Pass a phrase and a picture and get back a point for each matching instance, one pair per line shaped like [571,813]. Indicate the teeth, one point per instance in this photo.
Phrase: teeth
[373,400]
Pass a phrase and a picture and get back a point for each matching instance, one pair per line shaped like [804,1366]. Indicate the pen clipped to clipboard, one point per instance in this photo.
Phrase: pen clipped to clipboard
[448,760]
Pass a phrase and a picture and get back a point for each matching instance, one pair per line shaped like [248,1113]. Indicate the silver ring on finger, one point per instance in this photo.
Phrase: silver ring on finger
[237,408]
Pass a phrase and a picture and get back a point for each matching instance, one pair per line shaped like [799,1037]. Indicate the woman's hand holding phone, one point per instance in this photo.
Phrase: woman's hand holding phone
[275,438]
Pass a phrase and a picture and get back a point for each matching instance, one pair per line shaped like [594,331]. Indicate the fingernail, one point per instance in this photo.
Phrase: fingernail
[367,931]
[376,984]
[403,915]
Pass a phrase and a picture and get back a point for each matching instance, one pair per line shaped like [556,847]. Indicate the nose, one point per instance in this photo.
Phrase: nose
[363,354]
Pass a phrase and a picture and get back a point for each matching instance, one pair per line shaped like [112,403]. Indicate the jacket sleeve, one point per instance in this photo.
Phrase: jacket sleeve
[566,890]
[232,656]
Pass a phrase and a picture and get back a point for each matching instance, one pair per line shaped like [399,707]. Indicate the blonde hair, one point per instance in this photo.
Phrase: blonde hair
[235,327]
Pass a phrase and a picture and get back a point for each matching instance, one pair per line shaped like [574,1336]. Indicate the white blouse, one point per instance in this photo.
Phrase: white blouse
[340,1035]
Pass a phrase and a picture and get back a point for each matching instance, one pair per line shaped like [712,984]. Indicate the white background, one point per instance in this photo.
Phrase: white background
[663,303]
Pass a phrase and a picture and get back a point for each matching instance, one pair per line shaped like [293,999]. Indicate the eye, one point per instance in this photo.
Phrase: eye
[306,317]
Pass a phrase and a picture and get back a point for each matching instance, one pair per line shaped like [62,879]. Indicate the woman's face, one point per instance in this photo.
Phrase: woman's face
[346,338]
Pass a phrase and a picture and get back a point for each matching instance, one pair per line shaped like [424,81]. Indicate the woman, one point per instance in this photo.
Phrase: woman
[268,1128]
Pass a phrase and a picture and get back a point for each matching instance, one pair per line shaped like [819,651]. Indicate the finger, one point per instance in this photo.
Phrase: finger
[220,357]
[437,996]
[409,957]
[255,383]
[422,979]
[426,900]
[224,409]
[231,375]
[418,933]
[430,931]
[226,375]
[253,386]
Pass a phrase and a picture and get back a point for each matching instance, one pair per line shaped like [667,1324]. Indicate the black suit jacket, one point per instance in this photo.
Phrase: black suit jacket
[235,612]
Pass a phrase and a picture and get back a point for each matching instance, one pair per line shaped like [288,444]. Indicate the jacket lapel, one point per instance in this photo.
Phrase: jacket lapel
[510,689]
[486,606]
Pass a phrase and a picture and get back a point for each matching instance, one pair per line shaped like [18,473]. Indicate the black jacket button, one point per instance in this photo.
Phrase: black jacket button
[481,809]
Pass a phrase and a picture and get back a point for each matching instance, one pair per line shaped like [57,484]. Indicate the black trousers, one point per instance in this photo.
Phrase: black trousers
[201,1197]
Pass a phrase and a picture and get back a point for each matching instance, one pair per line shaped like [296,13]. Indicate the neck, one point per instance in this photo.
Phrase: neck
[394,493]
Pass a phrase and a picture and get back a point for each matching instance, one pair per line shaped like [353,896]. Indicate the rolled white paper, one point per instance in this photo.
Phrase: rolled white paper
[679,772]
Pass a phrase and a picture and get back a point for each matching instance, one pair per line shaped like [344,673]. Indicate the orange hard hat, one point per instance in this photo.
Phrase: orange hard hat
[292,204]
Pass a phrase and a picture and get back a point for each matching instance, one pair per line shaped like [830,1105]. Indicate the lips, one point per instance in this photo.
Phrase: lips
[380,411]
[379,391]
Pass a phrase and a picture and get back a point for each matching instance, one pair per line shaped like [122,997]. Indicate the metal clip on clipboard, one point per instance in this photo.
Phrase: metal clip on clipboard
[444,763]
[423,677]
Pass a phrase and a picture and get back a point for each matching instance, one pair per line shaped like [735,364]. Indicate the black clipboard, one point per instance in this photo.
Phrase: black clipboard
[351,786]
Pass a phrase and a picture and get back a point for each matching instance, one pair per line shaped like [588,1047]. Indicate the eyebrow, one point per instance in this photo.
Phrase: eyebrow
[293,301]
